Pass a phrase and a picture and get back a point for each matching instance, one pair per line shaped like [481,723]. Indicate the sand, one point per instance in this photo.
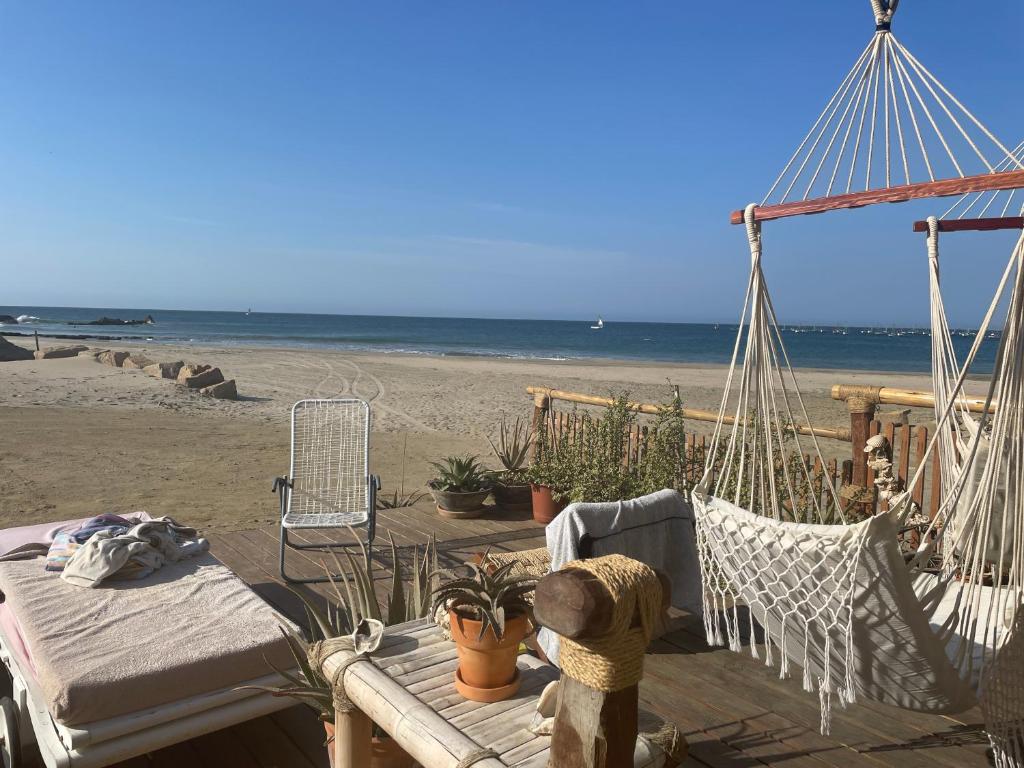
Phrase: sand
[78,437]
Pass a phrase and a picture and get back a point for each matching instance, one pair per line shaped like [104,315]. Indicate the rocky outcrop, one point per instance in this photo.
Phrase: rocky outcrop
[225,390]
[136,362]
[53,353]
[10,352]
[8,320]
[190,369]
[164,370]
[147,320]
[204,379]
[112,358]
[89,352]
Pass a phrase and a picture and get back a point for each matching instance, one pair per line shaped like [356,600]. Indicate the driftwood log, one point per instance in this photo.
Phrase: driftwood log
[593,729]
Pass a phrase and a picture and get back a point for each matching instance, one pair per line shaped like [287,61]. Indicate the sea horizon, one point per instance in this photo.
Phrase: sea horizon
[821,346]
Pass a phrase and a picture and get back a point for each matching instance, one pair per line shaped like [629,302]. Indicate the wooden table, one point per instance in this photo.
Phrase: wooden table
[409,691]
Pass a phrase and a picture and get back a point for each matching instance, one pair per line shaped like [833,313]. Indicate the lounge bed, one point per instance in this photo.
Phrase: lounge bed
[102,675]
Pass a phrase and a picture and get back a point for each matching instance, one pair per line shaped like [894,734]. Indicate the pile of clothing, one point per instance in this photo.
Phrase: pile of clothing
[114,547]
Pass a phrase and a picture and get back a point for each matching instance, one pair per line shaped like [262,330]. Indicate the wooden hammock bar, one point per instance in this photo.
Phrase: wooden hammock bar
[974,225]
[985,182]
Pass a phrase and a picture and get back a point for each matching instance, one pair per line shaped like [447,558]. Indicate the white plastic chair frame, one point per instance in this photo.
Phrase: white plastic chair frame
[329,484]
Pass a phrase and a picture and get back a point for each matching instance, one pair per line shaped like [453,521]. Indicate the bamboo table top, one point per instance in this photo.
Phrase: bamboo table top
[416,656]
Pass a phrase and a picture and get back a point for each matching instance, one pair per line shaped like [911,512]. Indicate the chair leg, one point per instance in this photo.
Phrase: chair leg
[286,543]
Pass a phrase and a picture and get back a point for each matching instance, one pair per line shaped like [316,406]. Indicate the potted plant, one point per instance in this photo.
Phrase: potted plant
[358,605]
[550,474]
[460,487]
[511,489]
[490,616]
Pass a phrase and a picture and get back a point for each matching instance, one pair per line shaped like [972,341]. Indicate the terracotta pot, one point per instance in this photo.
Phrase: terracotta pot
[487,666]
[514,498]
[545,508]
[458,504]
[385,753]
[329,729]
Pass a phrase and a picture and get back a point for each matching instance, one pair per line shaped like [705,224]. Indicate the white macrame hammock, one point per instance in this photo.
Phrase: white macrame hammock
[840,599]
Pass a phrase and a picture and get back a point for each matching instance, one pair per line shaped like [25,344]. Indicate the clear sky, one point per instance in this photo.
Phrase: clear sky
[480,158]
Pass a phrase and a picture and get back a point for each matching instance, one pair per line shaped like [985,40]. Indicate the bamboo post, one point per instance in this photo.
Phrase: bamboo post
[541,404]
[353,737]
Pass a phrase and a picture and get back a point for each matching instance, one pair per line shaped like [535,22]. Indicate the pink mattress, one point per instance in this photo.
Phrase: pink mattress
[190,628]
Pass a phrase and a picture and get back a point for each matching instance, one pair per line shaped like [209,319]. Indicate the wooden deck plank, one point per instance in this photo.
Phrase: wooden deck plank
[865,725]
[733,710]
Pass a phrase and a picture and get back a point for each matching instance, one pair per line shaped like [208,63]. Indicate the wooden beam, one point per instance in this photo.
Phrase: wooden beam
[984,182]
[974,225]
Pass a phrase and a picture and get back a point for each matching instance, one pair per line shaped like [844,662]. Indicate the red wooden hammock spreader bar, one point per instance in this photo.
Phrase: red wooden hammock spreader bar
[974,225]
[983,182]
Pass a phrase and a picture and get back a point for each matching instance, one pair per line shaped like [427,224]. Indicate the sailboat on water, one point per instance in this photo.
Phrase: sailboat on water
[598,325]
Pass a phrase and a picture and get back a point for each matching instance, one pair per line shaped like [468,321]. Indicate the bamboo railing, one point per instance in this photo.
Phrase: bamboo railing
[541,396]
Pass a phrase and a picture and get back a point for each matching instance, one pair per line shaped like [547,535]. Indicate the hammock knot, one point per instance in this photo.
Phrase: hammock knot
[753,232]
[884,11]
[933,240]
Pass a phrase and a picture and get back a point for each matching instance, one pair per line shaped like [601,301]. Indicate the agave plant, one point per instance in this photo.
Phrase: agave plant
[356,600]
[460,474]
[489,598]
[399,500]
[513,444]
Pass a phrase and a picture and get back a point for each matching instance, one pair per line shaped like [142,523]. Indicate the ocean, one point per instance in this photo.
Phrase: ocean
[880,349]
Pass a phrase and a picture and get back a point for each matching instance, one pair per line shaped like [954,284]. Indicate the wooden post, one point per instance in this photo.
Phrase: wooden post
[353,736]
[862,412]
[541,405]
[593,729]
[37,339]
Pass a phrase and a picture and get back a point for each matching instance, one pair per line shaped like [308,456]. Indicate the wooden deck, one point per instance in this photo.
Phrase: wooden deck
[734,711]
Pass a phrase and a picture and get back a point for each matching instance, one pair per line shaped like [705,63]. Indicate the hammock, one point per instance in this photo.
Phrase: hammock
[841,600]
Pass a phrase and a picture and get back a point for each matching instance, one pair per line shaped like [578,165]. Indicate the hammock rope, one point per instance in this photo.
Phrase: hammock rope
[887,94]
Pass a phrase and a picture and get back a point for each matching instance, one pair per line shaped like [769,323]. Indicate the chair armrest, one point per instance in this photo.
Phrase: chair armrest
[281,482]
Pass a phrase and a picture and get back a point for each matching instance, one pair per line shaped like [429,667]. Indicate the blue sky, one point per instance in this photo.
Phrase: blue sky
[461,158]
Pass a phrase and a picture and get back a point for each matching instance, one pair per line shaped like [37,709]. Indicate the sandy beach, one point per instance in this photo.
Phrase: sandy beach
[81,438]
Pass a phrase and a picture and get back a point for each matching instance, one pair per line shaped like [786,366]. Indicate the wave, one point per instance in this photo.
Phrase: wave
[23,319]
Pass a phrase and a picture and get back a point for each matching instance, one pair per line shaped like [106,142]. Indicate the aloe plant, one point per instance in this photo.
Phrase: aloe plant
[460,474]
[488,597]
[513,444]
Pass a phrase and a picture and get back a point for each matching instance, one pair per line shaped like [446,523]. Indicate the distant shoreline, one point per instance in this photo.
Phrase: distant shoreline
[404,354]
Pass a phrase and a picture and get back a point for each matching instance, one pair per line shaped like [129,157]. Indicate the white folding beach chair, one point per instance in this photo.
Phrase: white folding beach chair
[329,484]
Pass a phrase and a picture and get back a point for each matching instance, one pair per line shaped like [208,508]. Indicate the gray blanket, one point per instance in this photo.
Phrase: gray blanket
[656,530]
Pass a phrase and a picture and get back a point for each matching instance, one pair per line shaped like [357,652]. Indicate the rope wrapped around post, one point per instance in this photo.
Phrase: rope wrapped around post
[606,610]
[616,660]
[363,641]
